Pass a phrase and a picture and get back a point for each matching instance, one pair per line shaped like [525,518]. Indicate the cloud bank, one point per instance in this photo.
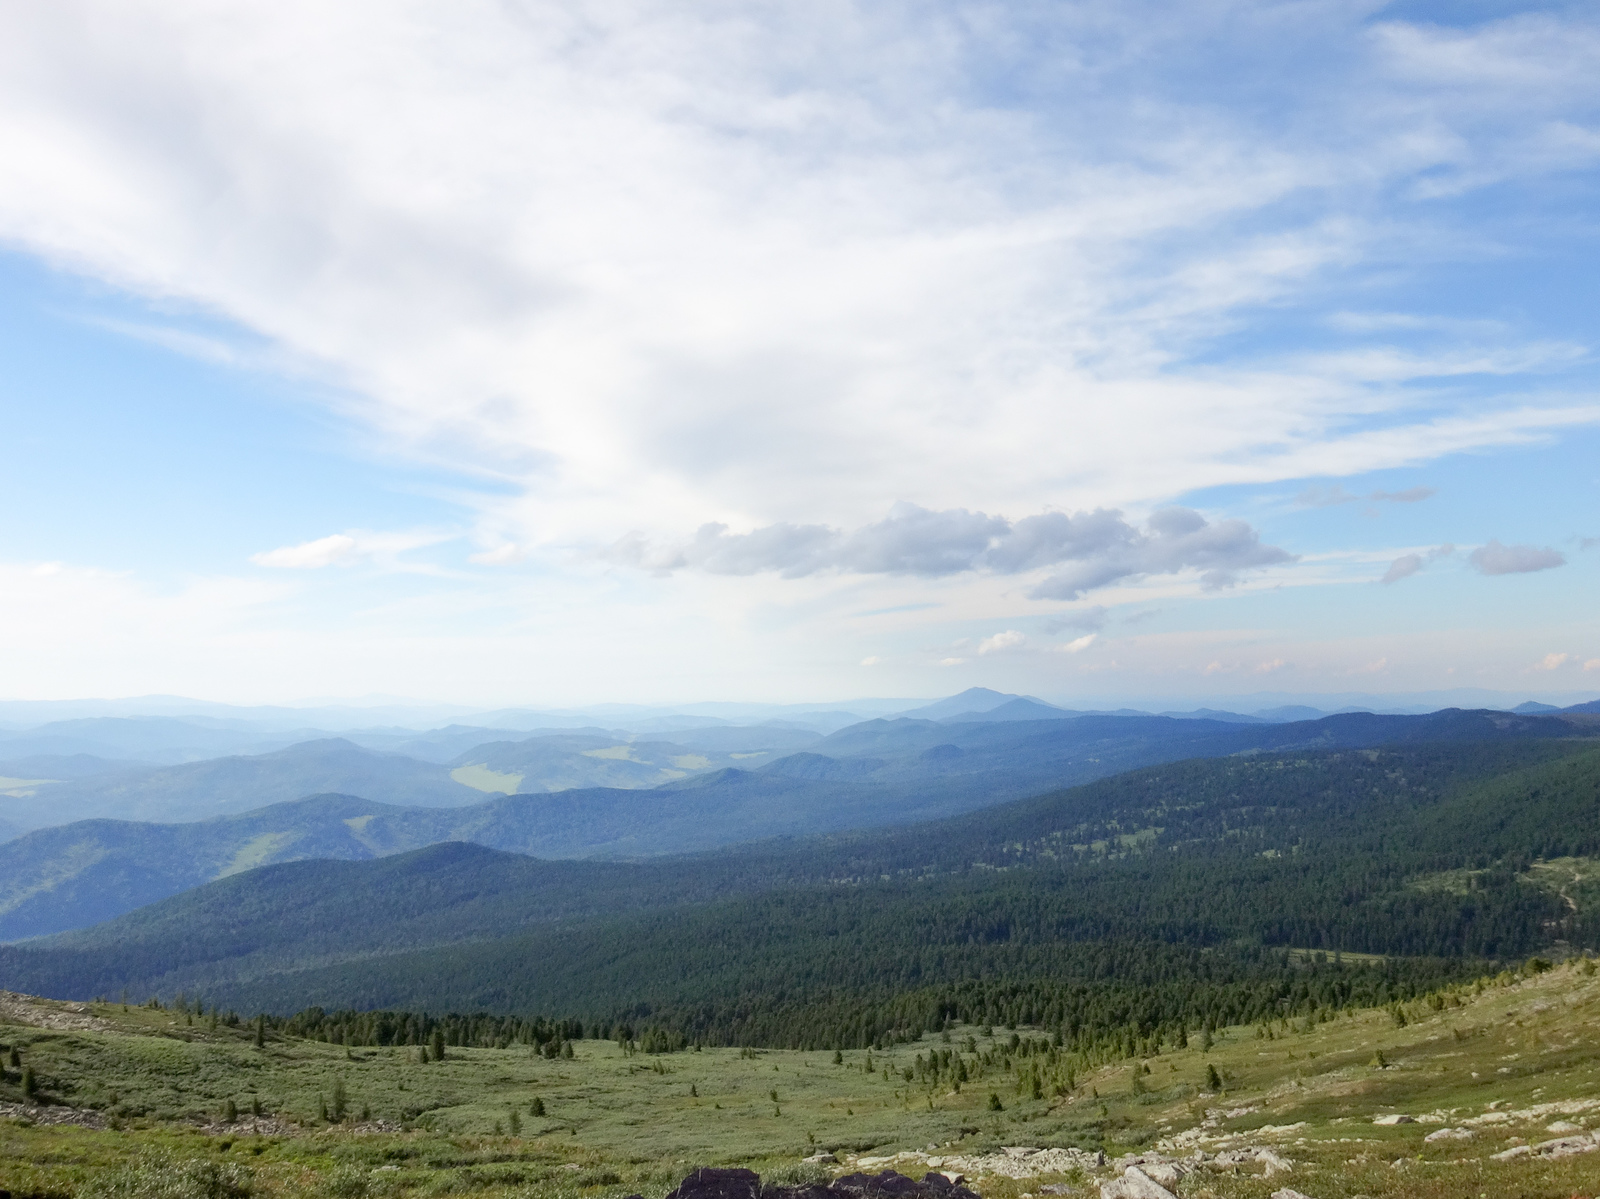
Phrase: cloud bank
[1084,550]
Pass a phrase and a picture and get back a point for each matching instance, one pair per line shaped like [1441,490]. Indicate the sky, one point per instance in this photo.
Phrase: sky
[507,352]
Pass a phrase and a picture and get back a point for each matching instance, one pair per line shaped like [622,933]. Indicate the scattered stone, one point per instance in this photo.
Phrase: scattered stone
[1274,1162]
[1134,1184]
[83,1117]
[1514,1151]
[1287,1193]
[821,1159]
[1449,1134]
[29,1009]
[1563,1126]
[1393,1119]
[1566,1146]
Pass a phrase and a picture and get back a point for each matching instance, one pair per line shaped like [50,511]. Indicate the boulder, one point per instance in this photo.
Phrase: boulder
[1134,1184]
[711,1183]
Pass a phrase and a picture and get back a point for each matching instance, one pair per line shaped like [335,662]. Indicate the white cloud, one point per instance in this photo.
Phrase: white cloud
[310,555]
[771,266]
[1592,664]
[500,555]
[383,550]
[1078,644]
[1099,548]
[1009,639]
[872,660]
[1493,558]
[1553,661]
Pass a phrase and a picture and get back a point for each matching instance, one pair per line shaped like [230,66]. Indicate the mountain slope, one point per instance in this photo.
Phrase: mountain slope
[1331,850]
[880,773]
[197,790]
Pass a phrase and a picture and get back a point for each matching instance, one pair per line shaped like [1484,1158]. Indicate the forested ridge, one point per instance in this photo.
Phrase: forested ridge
[1160,899]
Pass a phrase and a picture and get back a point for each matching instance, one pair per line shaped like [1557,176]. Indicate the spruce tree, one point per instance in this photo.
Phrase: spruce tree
[438,1045]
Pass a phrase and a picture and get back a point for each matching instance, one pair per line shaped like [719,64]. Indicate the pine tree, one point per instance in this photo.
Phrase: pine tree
[1213,1079]
[438,1045]
[261,1031]
[536,1108]
[338,1098]
[30,1085]
[516,1123]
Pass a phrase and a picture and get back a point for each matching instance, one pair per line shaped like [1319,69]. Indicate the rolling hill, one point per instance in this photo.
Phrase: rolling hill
[197,790]
[878,774]
[1425,851]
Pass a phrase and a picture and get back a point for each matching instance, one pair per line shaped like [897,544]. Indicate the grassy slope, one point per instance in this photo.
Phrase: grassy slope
[1504,1061]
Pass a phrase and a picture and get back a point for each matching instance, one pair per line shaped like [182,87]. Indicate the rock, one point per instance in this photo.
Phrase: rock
[887,1185]
[1135,1184]
[1275,1163]
[1286,1193]
[1394,1119]
[1514,1151]
[1563,1126]
[1449,1134]
[1168,1174]
[821,1159]
[1566,1146]
[710,1183]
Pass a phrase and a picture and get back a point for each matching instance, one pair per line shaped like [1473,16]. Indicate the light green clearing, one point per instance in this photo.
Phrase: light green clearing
[760,753]
[258,851]
[692,762]
[481,778]
[21,788]
[616,753]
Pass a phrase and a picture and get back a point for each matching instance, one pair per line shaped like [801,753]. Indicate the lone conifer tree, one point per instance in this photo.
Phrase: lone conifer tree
[438,1045]
[261,1031]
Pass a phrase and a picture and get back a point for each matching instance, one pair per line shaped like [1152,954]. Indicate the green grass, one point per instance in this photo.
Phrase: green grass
[619,1121]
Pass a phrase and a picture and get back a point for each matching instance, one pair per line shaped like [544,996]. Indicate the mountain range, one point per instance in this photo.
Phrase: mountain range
[874,774]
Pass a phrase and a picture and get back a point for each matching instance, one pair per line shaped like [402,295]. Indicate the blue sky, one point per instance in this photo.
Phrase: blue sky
[515,353]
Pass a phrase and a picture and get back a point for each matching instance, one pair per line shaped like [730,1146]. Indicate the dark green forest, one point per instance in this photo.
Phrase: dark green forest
[1150,905]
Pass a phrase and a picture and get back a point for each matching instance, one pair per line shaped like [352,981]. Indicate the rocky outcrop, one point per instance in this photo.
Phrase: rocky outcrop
[711,1183]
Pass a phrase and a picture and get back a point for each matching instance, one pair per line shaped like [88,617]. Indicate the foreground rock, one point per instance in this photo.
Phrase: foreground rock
[746,1184]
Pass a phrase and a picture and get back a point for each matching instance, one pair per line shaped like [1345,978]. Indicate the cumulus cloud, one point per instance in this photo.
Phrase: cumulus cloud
[1553,661]
[1496,559]
[1009,639]
[1078,645]
[1407,565]
[1098,548]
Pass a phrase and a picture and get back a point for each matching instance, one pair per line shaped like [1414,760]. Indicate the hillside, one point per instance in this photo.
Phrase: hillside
[1335,851]
[874,775]
[197,790]
[1483,1088]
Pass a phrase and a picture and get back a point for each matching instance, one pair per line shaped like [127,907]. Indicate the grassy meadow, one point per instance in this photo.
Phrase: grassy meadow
[1506,1061]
